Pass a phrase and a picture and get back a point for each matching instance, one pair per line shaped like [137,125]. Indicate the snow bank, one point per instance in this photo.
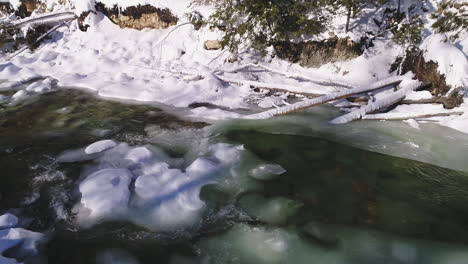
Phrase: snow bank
[452,62]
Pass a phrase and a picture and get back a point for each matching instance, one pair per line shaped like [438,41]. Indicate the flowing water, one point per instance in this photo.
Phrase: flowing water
[367,192]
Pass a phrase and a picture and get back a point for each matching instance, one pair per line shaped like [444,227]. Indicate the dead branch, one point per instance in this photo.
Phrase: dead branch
[267,86]
[404,116]
[325,99]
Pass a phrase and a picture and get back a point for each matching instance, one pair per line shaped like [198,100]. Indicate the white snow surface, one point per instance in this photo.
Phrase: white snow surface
[451,61]
[105,193]
[170,66]
[145,186]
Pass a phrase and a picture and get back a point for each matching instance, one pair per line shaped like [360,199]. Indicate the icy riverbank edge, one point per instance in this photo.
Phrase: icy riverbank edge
[171,66]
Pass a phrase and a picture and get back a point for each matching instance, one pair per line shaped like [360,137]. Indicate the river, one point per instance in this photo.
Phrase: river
[301,190]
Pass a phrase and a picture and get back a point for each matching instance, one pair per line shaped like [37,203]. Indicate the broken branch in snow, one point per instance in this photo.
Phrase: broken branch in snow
[267,86]
[382,103]
[325,99]
[170,32]
[405,116]
[316,80]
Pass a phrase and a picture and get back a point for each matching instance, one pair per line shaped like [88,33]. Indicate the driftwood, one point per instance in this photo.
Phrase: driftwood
[405,116]
[325,99]
[382,103]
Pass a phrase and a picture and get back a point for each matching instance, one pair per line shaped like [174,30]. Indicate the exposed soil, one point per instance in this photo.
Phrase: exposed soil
[317,53]
[427,72]
[139,17]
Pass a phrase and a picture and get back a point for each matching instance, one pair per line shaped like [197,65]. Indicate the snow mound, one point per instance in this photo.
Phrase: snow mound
[10,237]
[147,187]
[7,221]
[105,193]
[451,61]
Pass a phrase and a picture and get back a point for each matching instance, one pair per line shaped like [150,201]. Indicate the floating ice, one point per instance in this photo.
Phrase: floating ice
[139,154]
[24,241]
[164,196]
[105,193]
[100,146]
[7,221]
[267,171]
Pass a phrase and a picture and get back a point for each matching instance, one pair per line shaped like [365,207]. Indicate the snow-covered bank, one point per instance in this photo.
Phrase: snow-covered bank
[171,66]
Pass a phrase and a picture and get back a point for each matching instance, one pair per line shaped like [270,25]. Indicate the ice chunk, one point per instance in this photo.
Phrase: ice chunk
[26,240]
[169,199]
[7,221]
[138,155]
[412,123]
[105,193]
[201,167]
[272,211]
[267,171]
[226,153]
[100,146]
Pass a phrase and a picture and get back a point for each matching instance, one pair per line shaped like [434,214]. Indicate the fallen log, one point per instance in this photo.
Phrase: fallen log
[382,103]
[316,79]
[394,80]
[267,86]
[405,116]
[50,18]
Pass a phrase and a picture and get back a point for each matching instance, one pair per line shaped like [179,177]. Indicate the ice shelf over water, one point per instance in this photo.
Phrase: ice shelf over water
[149,188]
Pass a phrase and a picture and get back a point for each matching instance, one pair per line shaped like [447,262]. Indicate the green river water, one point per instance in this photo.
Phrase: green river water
[367,192]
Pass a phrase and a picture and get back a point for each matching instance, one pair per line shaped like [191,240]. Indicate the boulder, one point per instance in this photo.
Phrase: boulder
[213,45]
